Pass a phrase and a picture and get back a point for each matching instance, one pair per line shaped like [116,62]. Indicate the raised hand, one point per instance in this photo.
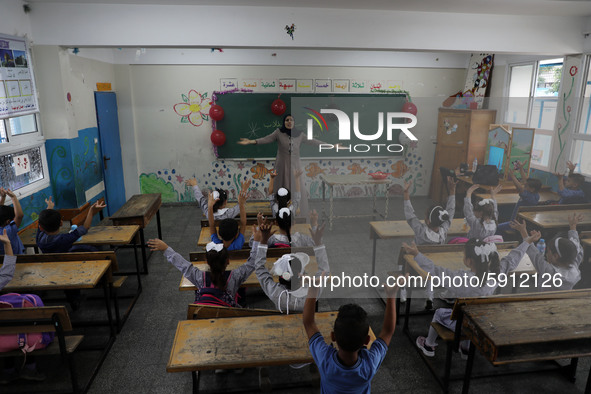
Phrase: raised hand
[246,184]
[521,227]
[191,182]
[4,237]
[273,174]
[575,219]
[265,229]
[410,249]
[317,235]
[314,218]
[495,190]
[49,203]
[534,236]
[571,166]
[98,205]
[157,244]
[471,190]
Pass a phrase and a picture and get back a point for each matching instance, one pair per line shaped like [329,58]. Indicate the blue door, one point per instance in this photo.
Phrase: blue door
[108,128]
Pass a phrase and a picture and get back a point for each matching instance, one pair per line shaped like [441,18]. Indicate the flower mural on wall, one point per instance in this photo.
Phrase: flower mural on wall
[194,109]
[565,107]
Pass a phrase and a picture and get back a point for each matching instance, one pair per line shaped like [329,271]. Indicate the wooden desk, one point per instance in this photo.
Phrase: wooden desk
[205,234]
[393,229]
[244,342]
[32,277]
[348,180]
[555,217]
[139,210]
[511,198]
[253,208]
[545,330]
[508,186]
[252,280]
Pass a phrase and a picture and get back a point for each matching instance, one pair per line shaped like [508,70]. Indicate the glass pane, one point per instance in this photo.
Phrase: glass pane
[23,125]
[585,125]
[3,137]
[21,168]
[578,156]
[519,92]
[546,94]
[541,149]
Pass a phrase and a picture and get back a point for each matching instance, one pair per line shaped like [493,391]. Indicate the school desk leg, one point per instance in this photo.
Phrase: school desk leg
[572,369]
[447,370]
[107,289]
[331,208]
[407,312]
[143,246]
[137,266]
[158,224]
[195,376]
[588,386]
[469,364]
[373,258]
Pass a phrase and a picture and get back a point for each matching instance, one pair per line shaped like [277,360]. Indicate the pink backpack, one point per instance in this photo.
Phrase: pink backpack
[26,342]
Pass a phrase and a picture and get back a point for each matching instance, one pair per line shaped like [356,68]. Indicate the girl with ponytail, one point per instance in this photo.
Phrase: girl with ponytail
[482,261]
[283,237]
[282,198]
[218,286]
[482,217]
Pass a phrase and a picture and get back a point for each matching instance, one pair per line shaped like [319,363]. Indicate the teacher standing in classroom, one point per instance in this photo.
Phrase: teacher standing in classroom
[288,160]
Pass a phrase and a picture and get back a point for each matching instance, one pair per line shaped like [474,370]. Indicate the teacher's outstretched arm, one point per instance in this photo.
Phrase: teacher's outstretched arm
[246,141]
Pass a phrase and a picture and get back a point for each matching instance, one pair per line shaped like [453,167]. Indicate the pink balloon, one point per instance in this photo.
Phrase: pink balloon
[218,138]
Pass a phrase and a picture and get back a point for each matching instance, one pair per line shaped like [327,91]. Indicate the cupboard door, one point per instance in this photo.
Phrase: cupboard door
[452,129]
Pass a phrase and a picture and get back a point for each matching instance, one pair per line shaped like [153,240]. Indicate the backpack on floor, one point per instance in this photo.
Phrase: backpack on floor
[26,342]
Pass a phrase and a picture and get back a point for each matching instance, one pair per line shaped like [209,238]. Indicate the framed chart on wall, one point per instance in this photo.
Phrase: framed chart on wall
[522,141]
[17,91]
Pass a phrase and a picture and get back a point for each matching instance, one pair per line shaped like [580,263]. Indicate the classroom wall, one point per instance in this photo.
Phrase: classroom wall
[70,126]
[120,25]
[168,151]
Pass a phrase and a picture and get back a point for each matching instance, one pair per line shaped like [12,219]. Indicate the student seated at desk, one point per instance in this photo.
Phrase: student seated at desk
[482,218]
[529,195]
[284,238]
[482,261]
[286,295]
[434,230]
[282,199]
[350,368]
[564,254]
[50,240]
[8,366]
[10,219]
[218,286]
[570,190]
[220,196]
[230,235]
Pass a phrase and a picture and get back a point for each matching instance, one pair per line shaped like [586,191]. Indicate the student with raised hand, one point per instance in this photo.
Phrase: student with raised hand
[282,198]
[231,235]
[564,255]
[351,368]
[287,295]
[482,218]
[569,190]
[434,230]
[284,238]
[11,219]
[9,263]
[220,197]
[50,240]
[216,286]
[482,261]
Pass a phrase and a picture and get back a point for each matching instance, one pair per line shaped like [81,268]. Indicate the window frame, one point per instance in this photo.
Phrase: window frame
[531,100]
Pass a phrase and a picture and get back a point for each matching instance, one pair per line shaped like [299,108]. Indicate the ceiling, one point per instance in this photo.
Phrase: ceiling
[503,7]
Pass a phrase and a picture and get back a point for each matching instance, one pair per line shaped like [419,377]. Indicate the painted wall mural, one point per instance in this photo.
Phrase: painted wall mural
[565,106]
[34,204]
[194,109]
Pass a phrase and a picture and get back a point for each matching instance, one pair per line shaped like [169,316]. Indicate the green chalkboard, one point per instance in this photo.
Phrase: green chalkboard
[249,115]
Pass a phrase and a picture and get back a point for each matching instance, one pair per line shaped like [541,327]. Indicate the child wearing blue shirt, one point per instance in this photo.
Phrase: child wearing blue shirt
[50,240]
[570,190]
[351,367]
[230,235]
[10,219]
[529,195]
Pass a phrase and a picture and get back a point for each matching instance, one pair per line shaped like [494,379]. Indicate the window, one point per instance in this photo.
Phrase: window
[582,136]
[532,102]
[23,163]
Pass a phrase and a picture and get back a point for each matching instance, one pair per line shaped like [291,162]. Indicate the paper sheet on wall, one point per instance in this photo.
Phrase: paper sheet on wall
[22,164]
[16,78]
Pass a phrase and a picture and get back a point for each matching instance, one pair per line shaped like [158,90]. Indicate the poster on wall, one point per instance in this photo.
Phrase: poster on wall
[359,86]
[15,67]
[479,72]
[340,85]
[323,86]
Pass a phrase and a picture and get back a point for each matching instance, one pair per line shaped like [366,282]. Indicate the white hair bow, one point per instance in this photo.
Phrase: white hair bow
[282,267]
[282,192]
[485,201]
[213,246]
[485,250]
[283,212]
[556,246]
[442,213]
[216,195]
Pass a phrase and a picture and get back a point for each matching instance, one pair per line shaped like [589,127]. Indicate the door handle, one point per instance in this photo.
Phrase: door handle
[105,160]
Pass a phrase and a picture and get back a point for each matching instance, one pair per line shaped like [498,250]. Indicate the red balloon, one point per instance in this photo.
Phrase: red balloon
[409,107]
[218,138]
[216,112]
[278,107]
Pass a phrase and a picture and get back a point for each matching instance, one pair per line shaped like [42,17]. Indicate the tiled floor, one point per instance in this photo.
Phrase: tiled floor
[138,358]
